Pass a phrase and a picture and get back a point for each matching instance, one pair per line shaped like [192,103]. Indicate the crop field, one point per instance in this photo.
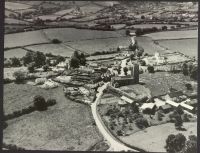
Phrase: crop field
[186,46]
[16,6]
[55,49]
[160,82]
[91,46]
[153,138]
[15,21]
[64,126]
[17,52]
[174,35]
[71,34]
[149,46]
[24,38]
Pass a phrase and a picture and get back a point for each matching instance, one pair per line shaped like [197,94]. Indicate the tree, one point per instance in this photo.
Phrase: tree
[179,110]
[140,51]
[60,59]
[39,103]
[56,41]
[39,59]
[142,17]
[125,70]
[74,62]
[139,32]
[175,143]
[19,76]
[15,62]
[178,121]
[185,69]
[150,69]
[28,58]
[45,68]
[164,27]
[142,122]
[142,63]
[82,59]
[194,73]
[191,145]
[132,47]
[127,32]
[31,67]
[188,86]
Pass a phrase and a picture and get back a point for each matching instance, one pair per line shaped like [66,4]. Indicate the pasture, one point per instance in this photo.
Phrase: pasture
[64,126]
[92,46]
[55,49]
[16,6]
[174,35]
[24,38]
[17,52]
[153,138]
[72,34]
[186,46]
[15,21]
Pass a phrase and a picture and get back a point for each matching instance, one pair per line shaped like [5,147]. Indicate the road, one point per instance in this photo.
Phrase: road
[115,145]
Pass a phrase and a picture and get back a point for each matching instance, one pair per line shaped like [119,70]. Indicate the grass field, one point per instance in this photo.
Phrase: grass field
[24,38]
[153,138]
[16,6]
[160,82]
[186,46]
[64,126]
[91,46]
[55,49]
[8,72]
[18,52]
[91,8]
[174,35]
[15,21]
[71,34]
[149,46]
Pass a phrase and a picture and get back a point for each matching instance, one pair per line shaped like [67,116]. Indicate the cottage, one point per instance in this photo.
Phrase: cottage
[172,103]
[166,108]
[159,102]
[148,108]
[127,100]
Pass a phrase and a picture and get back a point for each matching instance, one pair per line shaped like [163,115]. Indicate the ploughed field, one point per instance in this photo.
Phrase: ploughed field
[64,126]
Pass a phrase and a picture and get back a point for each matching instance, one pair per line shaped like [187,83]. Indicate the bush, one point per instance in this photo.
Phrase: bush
[56,41]
[150,69]
[40,103]
[19,76]
[45,68]
[15,62]
[51,102]
[142,123]
[188,86]
[7,80]
[31,67]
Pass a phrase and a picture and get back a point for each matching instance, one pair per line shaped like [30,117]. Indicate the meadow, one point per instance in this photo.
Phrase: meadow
[24,38]
[91,46]
[64,126]
[148,140]
[174,35]
[72,34]
[186,46]
[16,6]
[55,49]
[17,52]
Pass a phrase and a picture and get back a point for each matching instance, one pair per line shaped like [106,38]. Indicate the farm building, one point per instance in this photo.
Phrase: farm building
[172,103]
[159,102]
[157,59]
[166,108]
[148,108]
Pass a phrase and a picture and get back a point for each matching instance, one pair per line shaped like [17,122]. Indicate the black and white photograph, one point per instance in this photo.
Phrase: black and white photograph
[111,76]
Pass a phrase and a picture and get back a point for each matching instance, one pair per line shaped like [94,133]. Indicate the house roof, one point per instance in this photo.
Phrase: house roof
[122,102]
[187,106]
[164,107]
[127,99]
[175,94]
[159,102]
[172,103]
[147,105]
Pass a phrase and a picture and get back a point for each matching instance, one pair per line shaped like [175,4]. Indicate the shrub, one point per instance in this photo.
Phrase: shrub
[7,80]
[31,67]
[150,69]
[51,102]
[19,76]
[142,123]
[56,41]
[188,86]
[15,62]
[45,68]
[39,103]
